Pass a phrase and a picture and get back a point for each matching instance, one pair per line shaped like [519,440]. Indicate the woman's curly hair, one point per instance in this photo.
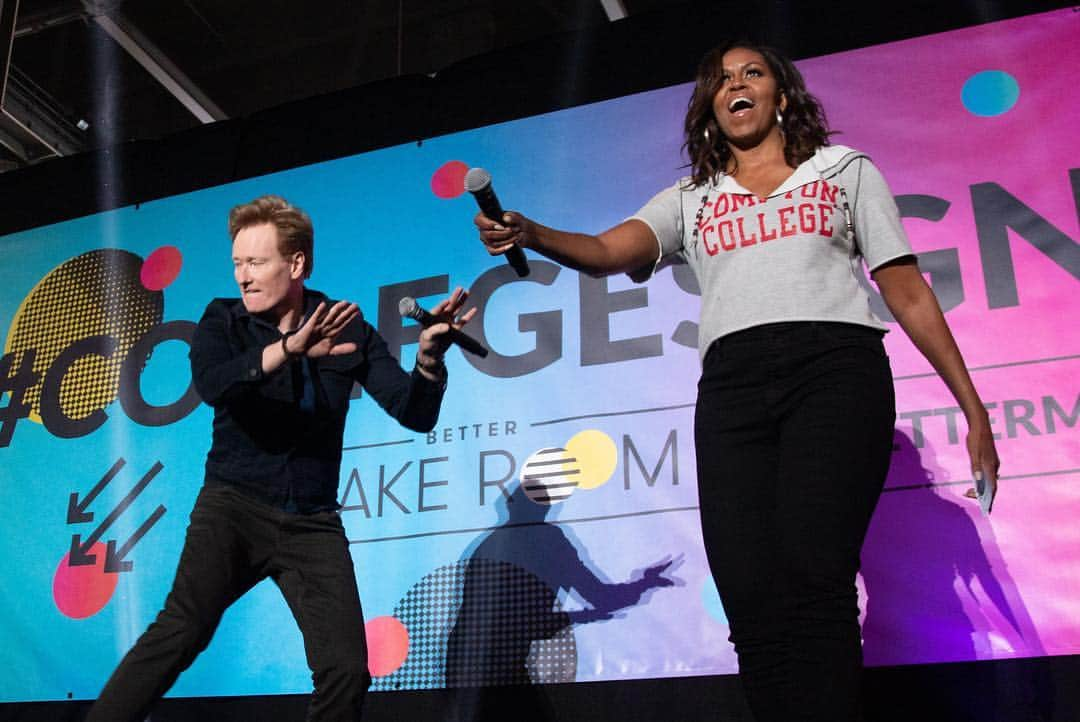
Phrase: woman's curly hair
[804,125]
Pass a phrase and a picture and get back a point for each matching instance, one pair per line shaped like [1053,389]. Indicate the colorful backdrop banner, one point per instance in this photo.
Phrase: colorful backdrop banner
[587,395]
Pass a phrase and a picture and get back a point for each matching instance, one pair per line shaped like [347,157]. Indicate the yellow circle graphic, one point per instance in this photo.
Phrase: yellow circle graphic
[96,293]
[596,456]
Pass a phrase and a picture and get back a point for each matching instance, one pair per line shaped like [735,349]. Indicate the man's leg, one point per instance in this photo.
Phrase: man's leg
[213,572]
[314,571]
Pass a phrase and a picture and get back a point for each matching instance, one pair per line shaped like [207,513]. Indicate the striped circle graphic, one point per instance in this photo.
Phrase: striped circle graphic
[550,476]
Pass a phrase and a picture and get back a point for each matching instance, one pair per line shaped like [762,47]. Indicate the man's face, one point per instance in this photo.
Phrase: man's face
[265,276]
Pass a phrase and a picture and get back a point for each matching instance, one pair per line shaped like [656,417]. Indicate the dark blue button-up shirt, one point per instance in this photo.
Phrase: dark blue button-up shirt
[277,437]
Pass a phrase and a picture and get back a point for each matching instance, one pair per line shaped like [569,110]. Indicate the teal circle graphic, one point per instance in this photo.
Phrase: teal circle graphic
[710,598]
[990,93]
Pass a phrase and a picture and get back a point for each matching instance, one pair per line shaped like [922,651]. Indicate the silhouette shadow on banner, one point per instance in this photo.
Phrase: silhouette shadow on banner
[511,631]
[938,590]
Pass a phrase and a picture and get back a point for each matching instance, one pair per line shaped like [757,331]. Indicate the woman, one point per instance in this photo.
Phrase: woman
[795,408]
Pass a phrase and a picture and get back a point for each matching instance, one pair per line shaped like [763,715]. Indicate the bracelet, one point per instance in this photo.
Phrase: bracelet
[437,368]
[285,349]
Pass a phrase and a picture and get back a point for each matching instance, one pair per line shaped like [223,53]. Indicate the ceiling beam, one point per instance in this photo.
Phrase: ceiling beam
[32,125]
[39,17]
[9,14]
[32,129]
[155,62]
[615,9]
[14,145]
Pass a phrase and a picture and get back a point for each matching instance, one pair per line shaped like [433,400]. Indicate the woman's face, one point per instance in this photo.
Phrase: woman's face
[745,105]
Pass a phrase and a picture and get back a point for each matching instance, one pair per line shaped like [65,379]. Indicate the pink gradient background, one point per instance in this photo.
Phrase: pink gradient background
[917,130]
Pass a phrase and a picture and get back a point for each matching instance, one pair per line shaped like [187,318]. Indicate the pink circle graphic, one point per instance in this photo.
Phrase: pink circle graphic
[161,268]
[449,180]
[388,645]
[83,591]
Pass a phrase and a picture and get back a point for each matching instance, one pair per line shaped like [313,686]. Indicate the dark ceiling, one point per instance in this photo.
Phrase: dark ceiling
[77,62]
[128,91]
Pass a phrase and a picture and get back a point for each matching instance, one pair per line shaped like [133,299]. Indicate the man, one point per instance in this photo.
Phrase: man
[277,365]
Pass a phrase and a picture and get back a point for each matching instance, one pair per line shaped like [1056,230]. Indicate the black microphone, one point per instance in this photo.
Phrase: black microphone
[478,182]
[409,308]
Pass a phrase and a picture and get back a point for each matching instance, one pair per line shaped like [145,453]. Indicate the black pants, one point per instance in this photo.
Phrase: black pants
[793,432]
[232,543]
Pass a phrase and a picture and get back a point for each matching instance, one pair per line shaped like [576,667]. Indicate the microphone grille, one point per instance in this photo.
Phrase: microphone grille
[407,307]
[476,180]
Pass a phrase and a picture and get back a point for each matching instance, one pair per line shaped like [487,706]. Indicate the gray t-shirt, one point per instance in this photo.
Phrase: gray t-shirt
[788,257]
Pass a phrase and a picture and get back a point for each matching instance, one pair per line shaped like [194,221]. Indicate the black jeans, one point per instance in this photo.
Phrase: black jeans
[232,543]
[793,432]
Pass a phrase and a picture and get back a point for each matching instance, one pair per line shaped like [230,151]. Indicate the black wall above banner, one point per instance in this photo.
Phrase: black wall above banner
[642,52]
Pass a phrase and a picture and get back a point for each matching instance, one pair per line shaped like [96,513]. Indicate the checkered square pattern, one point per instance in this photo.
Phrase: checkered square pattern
[482,622]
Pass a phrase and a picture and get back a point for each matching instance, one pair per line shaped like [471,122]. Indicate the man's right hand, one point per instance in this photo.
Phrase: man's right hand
[317,336]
